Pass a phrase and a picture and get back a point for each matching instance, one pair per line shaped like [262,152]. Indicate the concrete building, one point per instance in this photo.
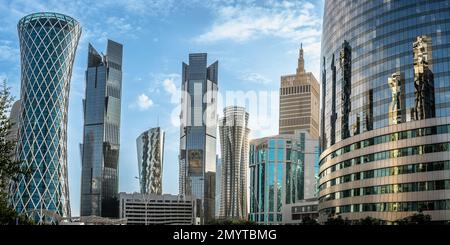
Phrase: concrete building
[299,101]
[234,131]
[150,209]
[386,111]
[295,213]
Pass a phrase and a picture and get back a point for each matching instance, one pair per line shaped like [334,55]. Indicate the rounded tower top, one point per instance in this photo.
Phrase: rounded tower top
[53,19]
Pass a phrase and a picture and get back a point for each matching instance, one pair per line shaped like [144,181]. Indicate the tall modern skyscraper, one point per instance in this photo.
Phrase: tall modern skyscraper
[282,172]
[101,139]
[48,42]
[234,131]
[150,151]
[299,101]
[386,111]
[198,133]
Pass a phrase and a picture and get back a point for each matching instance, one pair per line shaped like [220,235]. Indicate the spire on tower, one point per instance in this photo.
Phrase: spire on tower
[301,61]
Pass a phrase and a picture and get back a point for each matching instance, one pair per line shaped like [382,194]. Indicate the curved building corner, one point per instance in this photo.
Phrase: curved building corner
[385,134]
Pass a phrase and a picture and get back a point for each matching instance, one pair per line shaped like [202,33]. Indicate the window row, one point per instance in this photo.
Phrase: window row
[396,153]
[389,189]
[408,134]
[390,207]
[391,171]
[295,90]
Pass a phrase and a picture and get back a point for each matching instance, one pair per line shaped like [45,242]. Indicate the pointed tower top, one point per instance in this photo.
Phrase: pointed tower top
[301,61]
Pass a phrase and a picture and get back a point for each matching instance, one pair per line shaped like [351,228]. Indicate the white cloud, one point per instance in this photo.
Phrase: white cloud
[147,7]
[122,25]
[94,16]
[144,102]
[312,53]
[8,53]
[255,78]
[170,87]
[245,20]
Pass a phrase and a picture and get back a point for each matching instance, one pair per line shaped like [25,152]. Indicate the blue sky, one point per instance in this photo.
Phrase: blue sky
[255,41]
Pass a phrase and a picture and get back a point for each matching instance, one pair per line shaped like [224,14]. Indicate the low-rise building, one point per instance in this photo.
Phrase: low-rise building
[151,209]
[295,213]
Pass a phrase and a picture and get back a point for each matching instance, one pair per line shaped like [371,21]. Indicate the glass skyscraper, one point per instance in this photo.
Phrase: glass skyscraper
[150,152]
[282,171]
[48,42]
[234,131]
[198,133]
[101,139]
[386,109]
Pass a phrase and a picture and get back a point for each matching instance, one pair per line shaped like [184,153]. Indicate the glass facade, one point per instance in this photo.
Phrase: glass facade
[283,171]
[150,151]
[48,42]
[197,159]
[101,139]
[385,83]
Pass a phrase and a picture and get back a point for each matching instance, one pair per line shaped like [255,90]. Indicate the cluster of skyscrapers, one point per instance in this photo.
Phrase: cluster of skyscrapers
[372,140]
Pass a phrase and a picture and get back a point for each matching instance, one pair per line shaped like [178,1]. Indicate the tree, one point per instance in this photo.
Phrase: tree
[415,219]
[10,169]
[309,221]
[230,222]
[337,220]
[370,221]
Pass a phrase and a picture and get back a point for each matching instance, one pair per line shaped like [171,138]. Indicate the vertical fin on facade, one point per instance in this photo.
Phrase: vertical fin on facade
[333,118]
[322,120]
[345,65]
[423,80]
[397,112]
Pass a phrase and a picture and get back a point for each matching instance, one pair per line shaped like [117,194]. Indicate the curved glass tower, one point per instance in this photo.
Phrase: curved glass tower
[234,145]
[385,134]
[48,43]
[150,152]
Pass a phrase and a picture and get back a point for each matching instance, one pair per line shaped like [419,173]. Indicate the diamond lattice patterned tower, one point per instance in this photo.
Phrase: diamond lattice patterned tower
[48,43]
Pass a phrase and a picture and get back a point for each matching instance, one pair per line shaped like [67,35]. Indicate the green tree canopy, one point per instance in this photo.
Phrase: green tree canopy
[415,219]
[10,169]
